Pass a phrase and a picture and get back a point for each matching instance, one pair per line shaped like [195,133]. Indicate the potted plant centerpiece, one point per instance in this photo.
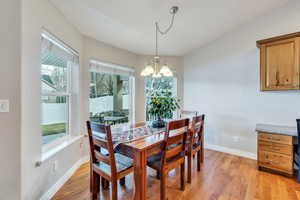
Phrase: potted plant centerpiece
[161,106]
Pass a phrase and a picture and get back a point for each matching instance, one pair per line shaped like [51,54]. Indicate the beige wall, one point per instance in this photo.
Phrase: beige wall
[100,51]
[222,81]
[10,71]
[36,15]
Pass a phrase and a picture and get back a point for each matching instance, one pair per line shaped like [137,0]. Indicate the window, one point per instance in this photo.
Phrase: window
[157,85]
[57,64]
[111,93]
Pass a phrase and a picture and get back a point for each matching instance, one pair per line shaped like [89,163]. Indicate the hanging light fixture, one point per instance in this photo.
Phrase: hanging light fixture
[154,68]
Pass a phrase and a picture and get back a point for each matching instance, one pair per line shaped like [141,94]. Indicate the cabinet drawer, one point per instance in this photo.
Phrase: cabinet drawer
[276,147]
[276,161]
[282,139]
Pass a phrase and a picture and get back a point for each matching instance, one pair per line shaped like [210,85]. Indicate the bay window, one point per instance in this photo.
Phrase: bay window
[111,93]
[157,85]
[58,63]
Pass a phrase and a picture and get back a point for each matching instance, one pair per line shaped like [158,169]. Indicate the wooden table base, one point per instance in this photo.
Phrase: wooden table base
[140,175]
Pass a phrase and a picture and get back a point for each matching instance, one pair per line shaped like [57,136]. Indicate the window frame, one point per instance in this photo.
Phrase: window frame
[115,69]
[175,90]
[68,93]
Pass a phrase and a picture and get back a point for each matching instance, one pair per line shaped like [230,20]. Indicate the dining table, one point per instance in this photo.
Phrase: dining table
[139,143]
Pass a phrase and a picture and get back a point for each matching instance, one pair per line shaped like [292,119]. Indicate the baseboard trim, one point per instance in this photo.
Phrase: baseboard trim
[54,189]
[231,151]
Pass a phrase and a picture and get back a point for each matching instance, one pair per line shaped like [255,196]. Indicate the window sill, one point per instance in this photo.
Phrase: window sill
[57,148]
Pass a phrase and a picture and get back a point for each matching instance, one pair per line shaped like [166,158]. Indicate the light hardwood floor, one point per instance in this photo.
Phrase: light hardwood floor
[222,177]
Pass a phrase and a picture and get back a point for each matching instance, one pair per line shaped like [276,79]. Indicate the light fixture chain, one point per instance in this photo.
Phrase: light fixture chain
[165,70]
[157,29]
[156,38]
[169,28]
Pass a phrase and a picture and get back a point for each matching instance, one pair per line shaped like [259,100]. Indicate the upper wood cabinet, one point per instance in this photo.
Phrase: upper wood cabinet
[280,62]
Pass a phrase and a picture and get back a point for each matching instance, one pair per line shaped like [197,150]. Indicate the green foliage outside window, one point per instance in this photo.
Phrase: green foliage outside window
[161,105]
[160,98]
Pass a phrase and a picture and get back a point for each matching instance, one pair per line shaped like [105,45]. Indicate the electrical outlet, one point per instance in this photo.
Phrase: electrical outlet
[4,105]
[55,166]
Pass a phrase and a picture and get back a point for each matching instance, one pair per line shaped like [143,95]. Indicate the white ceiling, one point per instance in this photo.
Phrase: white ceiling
[129,24]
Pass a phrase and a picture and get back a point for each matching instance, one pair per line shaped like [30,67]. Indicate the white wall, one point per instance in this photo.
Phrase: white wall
[10,71]
[38,14]
[222,81]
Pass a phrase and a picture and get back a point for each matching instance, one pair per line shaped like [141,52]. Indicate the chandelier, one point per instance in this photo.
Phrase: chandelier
[154,67]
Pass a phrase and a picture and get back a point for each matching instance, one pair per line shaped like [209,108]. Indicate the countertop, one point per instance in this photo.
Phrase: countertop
[275,129]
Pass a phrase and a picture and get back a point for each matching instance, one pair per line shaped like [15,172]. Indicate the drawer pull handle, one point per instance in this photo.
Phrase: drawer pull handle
[271,138]
[272,161]
[273,148]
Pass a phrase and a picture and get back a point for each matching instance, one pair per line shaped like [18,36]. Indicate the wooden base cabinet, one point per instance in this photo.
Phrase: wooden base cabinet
[275,152]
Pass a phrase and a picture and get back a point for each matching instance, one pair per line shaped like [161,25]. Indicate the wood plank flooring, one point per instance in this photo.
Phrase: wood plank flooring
[222,177]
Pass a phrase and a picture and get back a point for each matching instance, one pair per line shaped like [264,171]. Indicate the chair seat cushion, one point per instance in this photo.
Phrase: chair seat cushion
[155,158]
[194,146]
[122,163]
[123,159]
[155,161]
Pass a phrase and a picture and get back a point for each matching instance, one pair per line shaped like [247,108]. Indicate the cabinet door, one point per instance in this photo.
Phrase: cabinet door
[280,65]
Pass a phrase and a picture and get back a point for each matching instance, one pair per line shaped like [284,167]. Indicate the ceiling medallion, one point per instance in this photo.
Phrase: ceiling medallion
[154,68]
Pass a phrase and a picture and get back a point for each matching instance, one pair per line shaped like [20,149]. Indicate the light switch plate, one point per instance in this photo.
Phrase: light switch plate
[4,105]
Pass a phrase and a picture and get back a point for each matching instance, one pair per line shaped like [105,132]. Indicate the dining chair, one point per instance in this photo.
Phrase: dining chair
[172,154]
[195,144]
[187,113]
[109,166]
[298,149]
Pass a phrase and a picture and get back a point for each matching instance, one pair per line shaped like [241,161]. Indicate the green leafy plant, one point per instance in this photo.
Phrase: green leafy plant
[161,105]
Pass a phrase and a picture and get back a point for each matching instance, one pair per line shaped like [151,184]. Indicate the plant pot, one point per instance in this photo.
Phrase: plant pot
[158,124]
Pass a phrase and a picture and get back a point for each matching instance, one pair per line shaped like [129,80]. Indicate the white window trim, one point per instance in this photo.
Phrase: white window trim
[175,90]
[132,99]
[51,37]
[112,65]
[58,145]
[68,94]
[131,81]
[48,149]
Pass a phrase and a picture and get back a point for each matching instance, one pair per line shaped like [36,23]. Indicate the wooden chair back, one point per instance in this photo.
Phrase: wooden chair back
[298,138]
[97,143]
[196,132]
[298,149]
[175,145]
